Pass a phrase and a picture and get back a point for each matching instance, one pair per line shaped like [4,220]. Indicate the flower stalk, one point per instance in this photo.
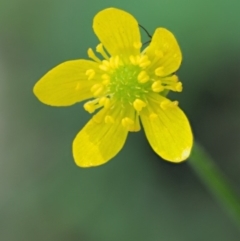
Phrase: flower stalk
[215,181]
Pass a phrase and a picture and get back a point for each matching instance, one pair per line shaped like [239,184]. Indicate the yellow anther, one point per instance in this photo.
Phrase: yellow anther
[159,71]
[106,79]
[136,127]
[175,103]
[105,65]
[159,53]
[97,89]
[133,60]
[100,116]
[114,62]
[143,77]
[133,124]
[91,55]
[157,86]
[165,104]
[105,62]
[137,45]
[172,78]
[144,61]
[117,61]
[100,50]
[175,87]
[107,103]
[98,92]
[89,107]
[109,119]
[168,104]
[102,100]
[153,116]
[138,104]
[127,122]
[179,87]
[90,73]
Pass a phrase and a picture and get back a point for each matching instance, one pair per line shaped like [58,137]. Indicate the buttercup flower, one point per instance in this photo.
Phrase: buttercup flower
[127,84]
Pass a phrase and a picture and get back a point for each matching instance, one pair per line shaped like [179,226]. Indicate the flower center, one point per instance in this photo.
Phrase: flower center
[124,85]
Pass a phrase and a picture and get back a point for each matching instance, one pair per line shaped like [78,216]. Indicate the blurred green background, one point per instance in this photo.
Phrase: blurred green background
[136,196]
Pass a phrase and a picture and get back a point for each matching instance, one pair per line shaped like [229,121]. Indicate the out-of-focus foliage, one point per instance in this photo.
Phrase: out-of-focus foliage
[136,196]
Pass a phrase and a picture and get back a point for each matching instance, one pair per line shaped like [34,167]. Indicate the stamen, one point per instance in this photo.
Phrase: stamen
[114,62]
[134,59]
[91,55]
[105,66]
[107,103]
[174,78]
[127,122]
[89,107]
[106,79]
[100,115]
[179,87]
[137,45]
[144,61]
[157,86]
[170,79]
[109,119]
[168,104]
[97,89]
[136,126]
[175,87]
[143,77]
[92,105]
[138,104]
[159,71]
[90,73]
[104,101]
[117,61]
[100,50]
[175,103]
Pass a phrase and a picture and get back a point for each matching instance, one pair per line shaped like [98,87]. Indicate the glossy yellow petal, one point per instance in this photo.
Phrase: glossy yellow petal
[118,31]
[165,49]
[67,83]
[167,129]
[97,142]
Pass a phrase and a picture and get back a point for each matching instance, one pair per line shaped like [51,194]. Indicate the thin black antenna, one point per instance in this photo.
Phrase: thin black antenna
[148,34]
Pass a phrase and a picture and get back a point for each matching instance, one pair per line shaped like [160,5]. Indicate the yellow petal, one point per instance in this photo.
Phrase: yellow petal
[67,83]
[97,143]
[118,31]
[169,132]
[165,48]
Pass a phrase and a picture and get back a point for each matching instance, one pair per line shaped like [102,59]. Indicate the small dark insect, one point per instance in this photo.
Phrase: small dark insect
[148,34]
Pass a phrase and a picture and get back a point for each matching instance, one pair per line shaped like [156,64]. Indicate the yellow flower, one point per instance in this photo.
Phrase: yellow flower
[127,85]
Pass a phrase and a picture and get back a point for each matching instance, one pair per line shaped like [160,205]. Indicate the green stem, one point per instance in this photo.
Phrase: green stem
[214,179]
